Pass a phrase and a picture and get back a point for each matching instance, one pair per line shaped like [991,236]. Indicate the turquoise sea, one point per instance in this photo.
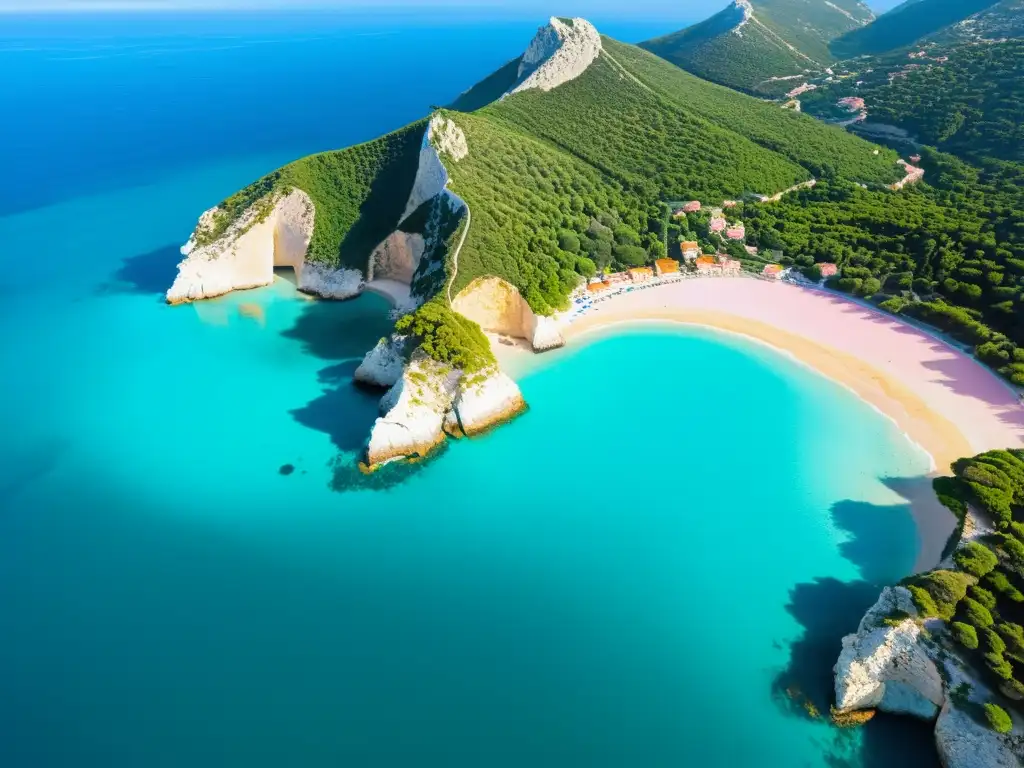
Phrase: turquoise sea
[652,567]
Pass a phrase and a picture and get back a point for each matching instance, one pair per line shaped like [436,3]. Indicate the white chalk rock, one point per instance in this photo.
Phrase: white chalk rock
[442,136]
[885,666]
[330,283]
[383,365]
[963,742]
[560,52]
[483,401]
[415,408]
[545,334]
[275,231]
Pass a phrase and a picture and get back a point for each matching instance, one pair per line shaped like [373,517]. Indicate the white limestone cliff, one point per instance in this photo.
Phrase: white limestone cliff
[889,664]
[442,137]
[561,51]
[482,402]
[384,364]
[274,232]
[430,401]
[545,333]
[884,666]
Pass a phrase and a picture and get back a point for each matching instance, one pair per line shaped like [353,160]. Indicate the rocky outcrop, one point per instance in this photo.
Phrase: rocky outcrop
[384,364]
[398,257]
[273,232]
[483,402]
[430,401]
[891,665]
[442,137]
[963,742]
[496,306]
[561,51]
[884,665]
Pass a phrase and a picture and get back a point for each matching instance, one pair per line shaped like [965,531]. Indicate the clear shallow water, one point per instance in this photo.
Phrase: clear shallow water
[653,566]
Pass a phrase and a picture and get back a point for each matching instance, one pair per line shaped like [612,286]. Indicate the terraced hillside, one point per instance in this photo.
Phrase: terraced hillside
[758,46]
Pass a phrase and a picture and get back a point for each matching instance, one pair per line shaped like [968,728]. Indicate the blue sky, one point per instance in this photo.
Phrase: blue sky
[694,8]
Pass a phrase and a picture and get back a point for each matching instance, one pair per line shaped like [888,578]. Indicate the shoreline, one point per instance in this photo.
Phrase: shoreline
[890,369]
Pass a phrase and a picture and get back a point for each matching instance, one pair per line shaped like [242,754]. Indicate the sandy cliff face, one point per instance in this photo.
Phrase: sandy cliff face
[429,401]
[274,232]
[398,257]
[496,306]
[560,52]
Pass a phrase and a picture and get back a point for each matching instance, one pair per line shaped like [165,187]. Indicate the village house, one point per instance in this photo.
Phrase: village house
[617,277]
[598,287]
[736,232]
[717,224]
[915,159]
[729,203]
[752,250]
[641,274]
[827,269]
[708,265]
[852,103]
[666,267]
[689,249]
[773,271]
[691,207]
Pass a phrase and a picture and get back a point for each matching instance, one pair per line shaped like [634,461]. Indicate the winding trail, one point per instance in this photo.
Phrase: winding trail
[458,250]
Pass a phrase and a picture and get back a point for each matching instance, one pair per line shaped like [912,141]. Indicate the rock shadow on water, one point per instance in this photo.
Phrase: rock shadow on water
[343,411]
[882,539]
[828,609]
[146,274]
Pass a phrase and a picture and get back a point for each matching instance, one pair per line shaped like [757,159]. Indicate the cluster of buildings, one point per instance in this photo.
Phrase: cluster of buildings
[852,103]
[719,265]
[717,223]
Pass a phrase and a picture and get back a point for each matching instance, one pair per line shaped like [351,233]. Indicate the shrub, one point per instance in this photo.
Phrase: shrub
[983,596]
[999,583]
[993,642]
[1013,634]
[964,634]
[998,719]
[999,666]
[974,613]
[938,592]
[976,559]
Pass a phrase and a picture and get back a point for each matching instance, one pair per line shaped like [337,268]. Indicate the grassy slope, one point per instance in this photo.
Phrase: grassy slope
[904,25]
[359,193]
[712,50]
[489,89]
[823,150]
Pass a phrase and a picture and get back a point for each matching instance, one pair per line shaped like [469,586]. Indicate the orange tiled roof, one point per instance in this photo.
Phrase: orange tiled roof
[641,271]
[667,265]
[598,287]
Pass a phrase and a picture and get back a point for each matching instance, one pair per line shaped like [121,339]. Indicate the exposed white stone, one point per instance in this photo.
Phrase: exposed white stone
[383,365]
[275,231]
[330,283]
[559,52]
[885,666]
[441,135]
[963,742]
[546,333]
[483,400]
[414,412]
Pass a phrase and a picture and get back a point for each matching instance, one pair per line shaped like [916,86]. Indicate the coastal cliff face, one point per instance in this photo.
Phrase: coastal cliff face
[560,52]
[884,666]
[273,232]
[890,664]
[496,306]
[429,401]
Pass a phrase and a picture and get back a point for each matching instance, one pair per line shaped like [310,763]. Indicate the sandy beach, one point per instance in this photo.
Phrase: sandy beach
[943,399]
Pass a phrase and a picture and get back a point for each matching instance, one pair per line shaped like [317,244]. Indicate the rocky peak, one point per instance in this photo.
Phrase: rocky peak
[560,51]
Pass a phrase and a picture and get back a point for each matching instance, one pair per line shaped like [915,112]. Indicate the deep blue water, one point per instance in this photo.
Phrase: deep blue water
[652,567]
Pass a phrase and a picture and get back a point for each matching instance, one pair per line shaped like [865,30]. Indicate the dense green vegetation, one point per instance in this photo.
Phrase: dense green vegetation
[447,337]
[491,88]
[783,38]
[986,593]
[971,105]
[950,252]
[359,194]
[905,25]
[998,718]
[825,151]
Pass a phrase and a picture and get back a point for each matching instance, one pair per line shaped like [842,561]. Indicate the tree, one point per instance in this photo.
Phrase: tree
[964,634]
[976,559]
[998,719]
[974,613]
[569,241]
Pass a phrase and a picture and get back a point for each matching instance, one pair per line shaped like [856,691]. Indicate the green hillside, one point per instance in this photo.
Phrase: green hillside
[750,45]
[905,25]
